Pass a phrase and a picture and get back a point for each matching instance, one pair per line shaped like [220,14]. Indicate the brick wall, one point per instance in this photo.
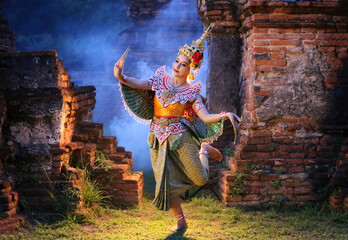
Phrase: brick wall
[47,132]
[293,141]
[7,37]
[141,9]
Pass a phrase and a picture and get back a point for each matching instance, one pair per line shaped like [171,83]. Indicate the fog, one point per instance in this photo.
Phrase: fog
[90,36]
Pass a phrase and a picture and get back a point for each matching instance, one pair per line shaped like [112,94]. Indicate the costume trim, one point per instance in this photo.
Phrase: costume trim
[131,113]
[216,135]
[161,85]
[198,105]
[163,133]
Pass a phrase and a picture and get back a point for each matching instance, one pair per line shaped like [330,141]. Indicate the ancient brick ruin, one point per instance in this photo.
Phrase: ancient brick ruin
[48,137]
[281,65]
[293,93]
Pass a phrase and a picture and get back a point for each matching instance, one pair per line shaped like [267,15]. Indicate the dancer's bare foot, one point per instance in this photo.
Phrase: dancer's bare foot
[181,226]
[212,152]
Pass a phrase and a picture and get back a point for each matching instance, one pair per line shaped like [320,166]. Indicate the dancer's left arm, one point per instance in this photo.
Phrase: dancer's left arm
[207,117]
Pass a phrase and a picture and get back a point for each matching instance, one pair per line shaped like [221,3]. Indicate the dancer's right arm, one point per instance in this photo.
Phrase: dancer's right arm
[129,81]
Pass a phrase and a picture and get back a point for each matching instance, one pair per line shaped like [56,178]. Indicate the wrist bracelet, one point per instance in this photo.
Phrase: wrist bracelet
[123,79]
[223,116]
[203,151]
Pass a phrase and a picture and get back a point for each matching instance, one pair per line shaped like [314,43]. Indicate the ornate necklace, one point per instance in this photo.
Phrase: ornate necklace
[169,94]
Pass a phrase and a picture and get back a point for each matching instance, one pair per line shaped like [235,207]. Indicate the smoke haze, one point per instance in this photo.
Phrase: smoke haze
[91,35]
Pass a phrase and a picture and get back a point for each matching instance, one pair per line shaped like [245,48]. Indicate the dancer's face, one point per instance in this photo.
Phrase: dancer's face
[181,67]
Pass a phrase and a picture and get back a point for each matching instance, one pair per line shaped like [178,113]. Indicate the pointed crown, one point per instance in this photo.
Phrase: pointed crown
[194,51]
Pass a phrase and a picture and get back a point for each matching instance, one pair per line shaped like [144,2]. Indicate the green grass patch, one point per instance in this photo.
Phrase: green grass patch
[207,219]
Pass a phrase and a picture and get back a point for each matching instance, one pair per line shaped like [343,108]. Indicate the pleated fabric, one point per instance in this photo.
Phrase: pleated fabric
[177,167]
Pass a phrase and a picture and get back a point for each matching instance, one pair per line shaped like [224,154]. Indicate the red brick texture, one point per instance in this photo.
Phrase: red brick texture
[294,64]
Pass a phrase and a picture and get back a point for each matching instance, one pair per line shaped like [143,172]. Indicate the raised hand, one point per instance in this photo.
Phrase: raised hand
[236,121]
[119,66]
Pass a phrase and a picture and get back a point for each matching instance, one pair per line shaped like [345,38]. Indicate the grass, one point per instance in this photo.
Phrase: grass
[207,219]
[90,193]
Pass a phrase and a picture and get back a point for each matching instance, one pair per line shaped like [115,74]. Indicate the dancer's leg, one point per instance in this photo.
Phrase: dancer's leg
[175,206]
[212,152]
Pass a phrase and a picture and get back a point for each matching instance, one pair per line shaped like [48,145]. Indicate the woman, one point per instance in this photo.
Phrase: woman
[177,111]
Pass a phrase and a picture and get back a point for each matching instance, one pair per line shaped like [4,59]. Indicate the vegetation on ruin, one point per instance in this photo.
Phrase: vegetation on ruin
[207,219]
[100,160]
[90,192]
[238,187]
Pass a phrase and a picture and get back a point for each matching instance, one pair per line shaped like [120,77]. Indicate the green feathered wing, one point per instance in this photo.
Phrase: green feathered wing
[140,105]
[204,132]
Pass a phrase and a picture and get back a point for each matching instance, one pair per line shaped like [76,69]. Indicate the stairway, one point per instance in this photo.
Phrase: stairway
[118,180]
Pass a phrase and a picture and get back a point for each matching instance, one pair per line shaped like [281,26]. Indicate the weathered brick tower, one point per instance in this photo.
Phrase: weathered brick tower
[290,88]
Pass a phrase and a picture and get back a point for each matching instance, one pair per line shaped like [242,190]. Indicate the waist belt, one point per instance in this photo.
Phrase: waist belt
[164,122]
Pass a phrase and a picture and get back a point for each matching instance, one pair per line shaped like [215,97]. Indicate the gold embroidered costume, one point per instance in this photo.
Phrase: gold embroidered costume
[175,132]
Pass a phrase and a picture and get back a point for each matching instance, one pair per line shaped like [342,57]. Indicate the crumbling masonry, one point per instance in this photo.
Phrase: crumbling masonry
[47,136]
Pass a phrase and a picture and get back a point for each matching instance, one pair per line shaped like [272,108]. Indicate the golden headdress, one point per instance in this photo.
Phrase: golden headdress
[194,52]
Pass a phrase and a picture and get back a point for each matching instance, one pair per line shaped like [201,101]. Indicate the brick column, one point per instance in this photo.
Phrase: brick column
[293,141]
[294,84]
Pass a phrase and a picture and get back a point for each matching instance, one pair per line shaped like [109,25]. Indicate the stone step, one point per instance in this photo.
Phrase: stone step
[107,151]
[83,124]
[128,155]
[108,140]
[120,149]
[134,177]
[9,197]
[95,130]
[129,190]
[9,224]
[115,169]
[4,184]
[82,138]
[116,157]
[74,145]
[121,158]
[4,207]
[39,203]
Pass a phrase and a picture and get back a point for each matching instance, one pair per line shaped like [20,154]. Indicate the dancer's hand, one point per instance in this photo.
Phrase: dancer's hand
[235,120]
[119,65]
[118,70]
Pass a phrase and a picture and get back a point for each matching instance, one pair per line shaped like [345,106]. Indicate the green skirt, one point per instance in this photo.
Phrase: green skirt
[177,167]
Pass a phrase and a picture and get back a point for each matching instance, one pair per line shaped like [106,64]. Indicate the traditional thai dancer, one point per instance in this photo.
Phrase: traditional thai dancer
[180,127]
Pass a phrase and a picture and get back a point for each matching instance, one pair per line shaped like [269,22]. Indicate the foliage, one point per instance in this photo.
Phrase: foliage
[90,192]
[63,199]
[324,192]
[276,184]
[221,164]
[238,187]
[331,171]
[228,151]
[279,200]
[207,219]
[100,158]
[250,167]
[273,145]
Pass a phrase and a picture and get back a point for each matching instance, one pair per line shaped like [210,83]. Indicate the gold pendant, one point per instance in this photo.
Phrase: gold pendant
[168,95]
